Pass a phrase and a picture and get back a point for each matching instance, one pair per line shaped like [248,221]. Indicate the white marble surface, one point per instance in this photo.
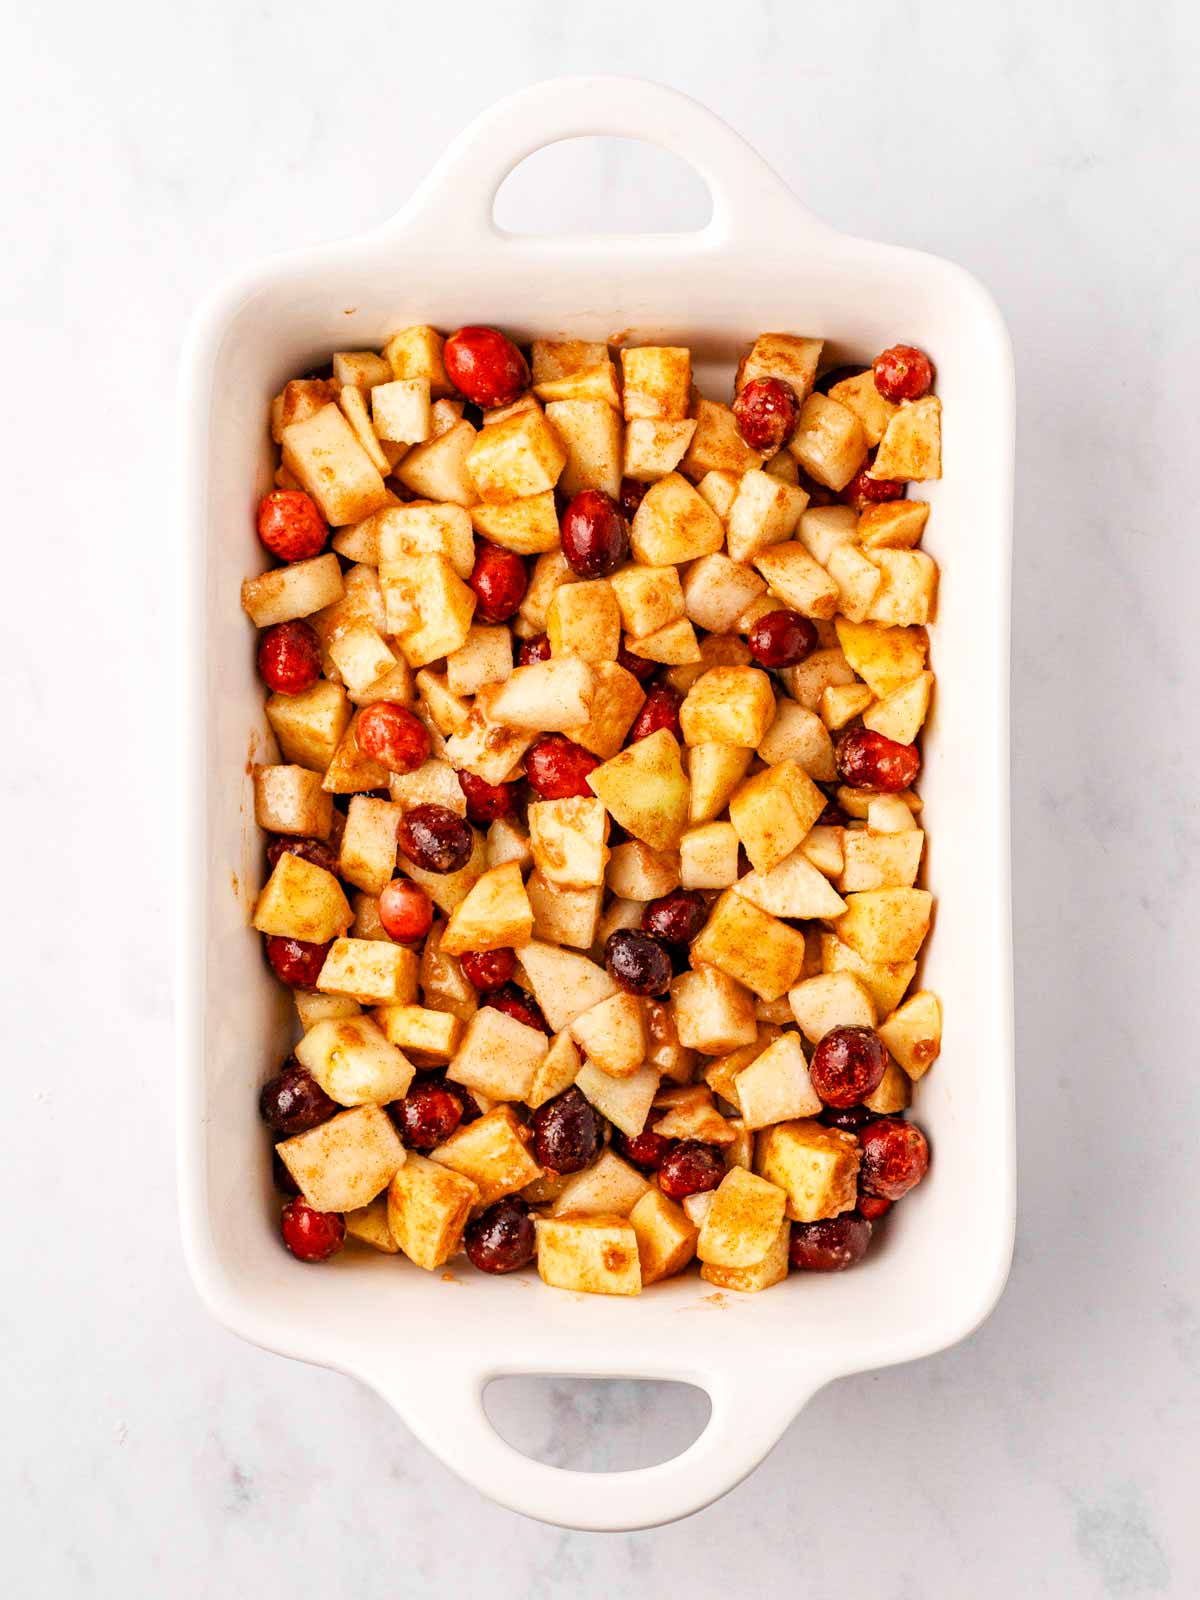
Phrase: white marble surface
[148,148]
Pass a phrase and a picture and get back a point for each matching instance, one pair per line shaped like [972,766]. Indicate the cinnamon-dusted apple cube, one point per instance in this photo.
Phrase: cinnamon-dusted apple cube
[444,607]
[568,841]
[583,619]
[888,813]
[714,771]
[300,901]
[842,702]
[428,1207]
[893,1093]
[524,402]
[885,658]
[550,573]
[574,369]
[728,705]
[362,369]
[351,1058]
[298,590]
[609,1187]
[829,441]
[797,579]
[815,1166]
[658,382]
[741,1152]
[326,458]
[825,529]
[886,924]
[421,529]
[721,1073]
[648,597]
[592,1255]
[444,414]
[807,682]
[913,1033]
[696,1208]
[911,448]
[300,399]
[428,1035]
[624,1101]
[654,448]
[564,916]
[775,1086]
[673,645]
[716,591]
[312,1008]
[400,410]
[748,945]
[353,405]
[309,726]
[590,432]
[674,524]
[613,1035]
[830,1000]
[907,590]
[557,1072]
[858,581]
[528,526]
[773,811]
[289,799]
[360,655]
[437,469]
[666,1239]
[498,1055]
[646,790]
[367,857]
[366,924]
[620,914]
[720,490]
[856,803]
[352,771]
[743,1221]
[345,1162]
[764,1274]
[375,972]
[782,355]
[369,1225]
[616,701]
[435,782]
[793,888]
[417,353]
[859,394]
[493,1152]
[508,841]
[717,444]
[713,1012]
[799,735]
[881,860]
[488,748]
[894,525]
[635,872]
[484,657]
[708,856]
[444,986]
[884,981]
[822,847]
[449,889]
[901,714]
[765,512]
[686,1111]
[516,458]
[495,915]
[564,984]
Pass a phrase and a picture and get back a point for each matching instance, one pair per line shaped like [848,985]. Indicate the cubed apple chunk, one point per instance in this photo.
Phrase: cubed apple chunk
[658,382]
[583,619]
[345,1162]
[716,591]
[708,856]
[829,442]
[894,525]
[301,901]
[416,352]
[649,598]
[562,915]
[590,432]
[609,1187]
[666,1239]
[552,696]
[498,1055]
[714,771]
[911,448]
[773,811]
[764,1274]
[568,840]
[799,735]
[815,1166]
[428,1207]
[354,1063]
[717,444]
[592,1255]
[646,790]
[495,915]
[442,602]
[493,1152]
[528,526]
[367,857]
[728,705]
[289,799]
[793,888]
[860,395]
[674,524]
[797,579]
[612,1034]
[905,594]
[884,981]
[422,529]
[764,512]
[564,983]
[714,1013]
[484,657]
[901,714]
[283,594]
[886,925]
[328,461]
[516,458]
[831,1000]
[885,658]
[429,1035]
[775,1086]
[743,1220]
[375,972]
[754,949]
[557,1072]
[617,699]
[309,726]
[880,860]
[369,1225]
[653,448]
[913,1033]
[786,356]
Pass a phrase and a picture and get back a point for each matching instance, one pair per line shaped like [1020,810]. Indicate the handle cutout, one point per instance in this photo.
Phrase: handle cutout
[601,185]
[596,1424]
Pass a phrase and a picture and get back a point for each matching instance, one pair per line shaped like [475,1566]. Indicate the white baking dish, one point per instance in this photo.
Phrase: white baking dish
[427,1345]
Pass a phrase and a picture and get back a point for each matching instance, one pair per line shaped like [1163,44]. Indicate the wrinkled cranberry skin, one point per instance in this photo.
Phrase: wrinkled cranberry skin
[281,1177]
[427,1115]
[485,366]
[637,962]
[557,768]
[895,1157]
[677,917]
[315,851]
[311,1235]
[394,736]
[632,494]
[830,1245]
[289,657]
[502,1238]
[595,536]
[848,1065]
[642,669]
[295,961]
[485,801]
[435,838]
[516,1003]
[290,525]
[782,639]
[870,760]
[648,1150]
[566,1132]
[903,372]
[872,1207]
[499,580]
[863,490]
[486,970]
[532,650]
[691,1168]
[293,1101]
[405,910]
[848,1118]
[660,710]
[766,412]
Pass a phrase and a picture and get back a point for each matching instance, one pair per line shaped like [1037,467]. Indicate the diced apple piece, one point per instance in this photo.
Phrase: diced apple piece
[674,645]
[562,915]
[624,1101]
[437,469]
[765,512]
[885,658]
[816,1167]
[749,946]
[352,1059]
[901,714]
[557,1072]
[289,799]
[428,1207]
[417,353]
[592,1255]
[484,657]
[674,524]
[646,790]
[881,860]
[360,655]
[489,749]
[856,803]
[913,1033]
[564,984]
[324,455]
[822,847]
[743,1222]
[352,771]
[728,705]
[658,382]
[583,619]
[829,441]
[493,1153]
[508,841]
[298,590]
[514,459]
[567,838]
[708,856]
[449,889]
[799,735]
[720,490]
[721,1074]
[886,924]
[547,696]
[713,1012]
[612,1034]
[906,594]
[400,410]
[885,981]
[616,701]
[420,529]
[894,525]
[893,1093]
[369,1225]
[911,448]
[368,850]
[832,1000]
[858,582]
[433,783]
[550,573]
[648,597]
[636,872]
[361,368]
[782,355]
[842,702]
[775,1086]
[590,432]
[824,529]
[887,813]
[495,915]
[443,603]
[574,369]
[796,578]
[714,770]
[429,1035]
[609,1187]
[312,1008]
[764,1274]
[666,1239]
[716,591]
[654,448]
[717,444]
[345,1162]
[309,726]
[773,811]
[696,1207]
[372,971]
[793,888]
[688,1112]
[498,1055]
[529,526]
[300,399]
[859,394]
[300,901]
[808,682]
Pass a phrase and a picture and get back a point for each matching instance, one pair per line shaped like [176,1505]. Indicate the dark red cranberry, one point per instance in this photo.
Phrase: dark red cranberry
[837,375]
[648,1150]
[818,494]
[659,710]
[532,650]
[485,801]
[903,373]
[895,1157]
[566,1132]
[394,736]
[281,1177]
[296,961]
[595,536]
[677,917]
[830,1245]
[315,851]
[767,412]
[632,495]
[637,962]
[558,769]
[499,580]
[435,839]
[870,760]
[486,970]
[848,1065]
[872,1206]
[405,910]
[289,657]
[502,1238]
[516,1003]
[293,1101]
[848,1118]
[642,669]
[691,1168]
[863,490]
[290,525]
[311,1235]
[427,1115]
[832,817]
[485,366]
[782,639]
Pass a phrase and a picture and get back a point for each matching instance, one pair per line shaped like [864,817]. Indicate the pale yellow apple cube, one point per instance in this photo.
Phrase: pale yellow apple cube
[782,355]
[324,455]
[609,1187]
[886,925]
[568,841]
[654,448]
[286,593]
[894,525]
[648,597]
[666,1239]
[646,790]
[764,512]
[428,1207]
[829,442]
[728,705]
[743,1221]
[913,1033]
[885,658]
[815,1166]
[754,949]
[528,526]
[493,1152]
[345,1162]
[289,799]
[860,395]
[583,619]
[658,382]
[713,1012]
[510,460]
[831,1000]
[708,856]
[374,972]
[590,432]
[773,811]
[495,915]
[911,449]
[352,1059]
[592,1255]
[796,578]
[775,1086]
[417,353]
[717,444]
[674,524]
[498,1055]
[400,410]
[301,901]
[437,469]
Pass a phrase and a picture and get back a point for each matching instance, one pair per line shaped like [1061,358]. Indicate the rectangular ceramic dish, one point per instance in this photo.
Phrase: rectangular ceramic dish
[430,1347]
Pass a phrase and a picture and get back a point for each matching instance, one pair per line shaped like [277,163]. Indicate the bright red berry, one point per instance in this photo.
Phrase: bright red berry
[290,525]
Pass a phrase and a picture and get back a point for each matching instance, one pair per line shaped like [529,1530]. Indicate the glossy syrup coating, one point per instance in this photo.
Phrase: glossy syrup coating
[311,1235]
[782,639]
[485,366]
[647,1150]
[435,839]
[766,412]
[486,801]
[293,1101]
[427,1115]
[502,1238]
[557,768]
[566,1132]
[863,490]
[830,1245]
[870,760]
[289,657]
[660,710]
[315,851]
[519,1005]
[595,535]
[394,736]
[295,962]
[486,970]
[499,580]
[290,525]
[848,1065]
[637,962]
[676,918]
[895,1157]
[690,1168]
[902,372]
[535,649]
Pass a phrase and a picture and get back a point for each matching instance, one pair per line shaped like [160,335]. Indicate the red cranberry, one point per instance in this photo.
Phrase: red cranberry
[595,536]
[427,1115]
[830,1245]
[782,639]
[502,1238]
[485,366]
[532,650]
[281,1177]
[637,962]
[818,494]
[290,525]
[872,1206]
[767,412]
[296,961]
[289,657]
[848,1065]
[837,375]
[903,373]
[516,1003]
[499,580]
[660,710]
[642,669]
[677,917]
[833,816]
[486,970]
[557,768]
[632,495]
[405,910]
[870,760]
[293,1101]
[394,736]
[435,839]
[848,1118]
[566,1132]
[863,490]
[691,1168]
[648,1150]
[485,801]
[315,851]
[895,1157]
[311,1235]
